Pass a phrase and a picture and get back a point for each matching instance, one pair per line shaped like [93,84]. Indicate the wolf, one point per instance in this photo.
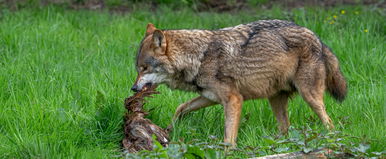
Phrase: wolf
[271,59]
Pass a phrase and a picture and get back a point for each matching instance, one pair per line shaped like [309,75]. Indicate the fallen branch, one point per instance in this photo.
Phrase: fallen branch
[318,154]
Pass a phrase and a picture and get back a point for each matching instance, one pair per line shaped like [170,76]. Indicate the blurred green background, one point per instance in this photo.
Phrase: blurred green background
[67,66]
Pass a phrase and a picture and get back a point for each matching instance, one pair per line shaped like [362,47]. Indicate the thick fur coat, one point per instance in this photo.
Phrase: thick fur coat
[264,59]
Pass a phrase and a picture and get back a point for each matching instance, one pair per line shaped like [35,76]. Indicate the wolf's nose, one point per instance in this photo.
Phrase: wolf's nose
[134,88]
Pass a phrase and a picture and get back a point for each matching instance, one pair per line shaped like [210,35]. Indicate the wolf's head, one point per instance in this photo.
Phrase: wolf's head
[151,61]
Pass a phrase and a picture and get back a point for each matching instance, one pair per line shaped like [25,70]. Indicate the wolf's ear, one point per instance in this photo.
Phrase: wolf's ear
[159,39]
[150,29]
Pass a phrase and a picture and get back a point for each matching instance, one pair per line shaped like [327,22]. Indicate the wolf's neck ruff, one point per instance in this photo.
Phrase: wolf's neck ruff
[185,50]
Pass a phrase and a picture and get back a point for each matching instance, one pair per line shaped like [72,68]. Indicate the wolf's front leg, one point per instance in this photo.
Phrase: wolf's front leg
[232,102]
[192,105]
[232,109]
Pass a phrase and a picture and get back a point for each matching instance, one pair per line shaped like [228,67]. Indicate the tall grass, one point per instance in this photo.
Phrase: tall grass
[64,75]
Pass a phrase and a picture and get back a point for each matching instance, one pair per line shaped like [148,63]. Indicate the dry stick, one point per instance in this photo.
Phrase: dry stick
[318,154]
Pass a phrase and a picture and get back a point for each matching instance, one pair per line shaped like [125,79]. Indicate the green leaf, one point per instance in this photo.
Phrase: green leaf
[210,154]
[363,148]
[281,149]
[295,134]
[189,156]
[377,153]
[269,140]
[314,136]
[266,147]
[285,141]
[194,151]
[300,143]
[307,150]
[262,153]
[330,140]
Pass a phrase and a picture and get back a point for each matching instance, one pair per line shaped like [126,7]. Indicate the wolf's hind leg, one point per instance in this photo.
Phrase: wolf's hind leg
[310,83]
[279,105]
[317,105]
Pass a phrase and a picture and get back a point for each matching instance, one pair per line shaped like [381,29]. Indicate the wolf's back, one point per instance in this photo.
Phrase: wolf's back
[270,24]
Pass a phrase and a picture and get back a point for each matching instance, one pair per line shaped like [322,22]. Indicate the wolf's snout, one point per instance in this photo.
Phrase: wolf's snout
[135,88]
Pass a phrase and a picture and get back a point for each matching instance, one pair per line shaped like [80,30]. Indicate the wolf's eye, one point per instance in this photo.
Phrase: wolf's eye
[143,68]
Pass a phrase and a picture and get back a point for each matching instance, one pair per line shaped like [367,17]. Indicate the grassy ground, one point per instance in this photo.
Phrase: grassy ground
[64,75]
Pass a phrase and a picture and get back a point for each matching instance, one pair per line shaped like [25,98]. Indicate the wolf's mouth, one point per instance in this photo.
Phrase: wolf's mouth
[147,86]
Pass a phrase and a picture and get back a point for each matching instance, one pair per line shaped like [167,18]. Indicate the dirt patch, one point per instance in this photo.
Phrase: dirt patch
[138,130]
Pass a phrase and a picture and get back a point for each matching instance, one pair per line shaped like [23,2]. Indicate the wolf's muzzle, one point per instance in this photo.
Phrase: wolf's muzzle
[135,88]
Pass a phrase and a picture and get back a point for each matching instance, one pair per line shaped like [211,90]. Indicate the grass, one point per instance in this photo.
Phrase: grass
[64,75]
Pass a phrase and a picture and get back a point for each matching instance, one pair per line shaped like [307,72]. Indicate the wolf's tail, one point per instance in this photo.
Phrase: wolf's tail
[336,84]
